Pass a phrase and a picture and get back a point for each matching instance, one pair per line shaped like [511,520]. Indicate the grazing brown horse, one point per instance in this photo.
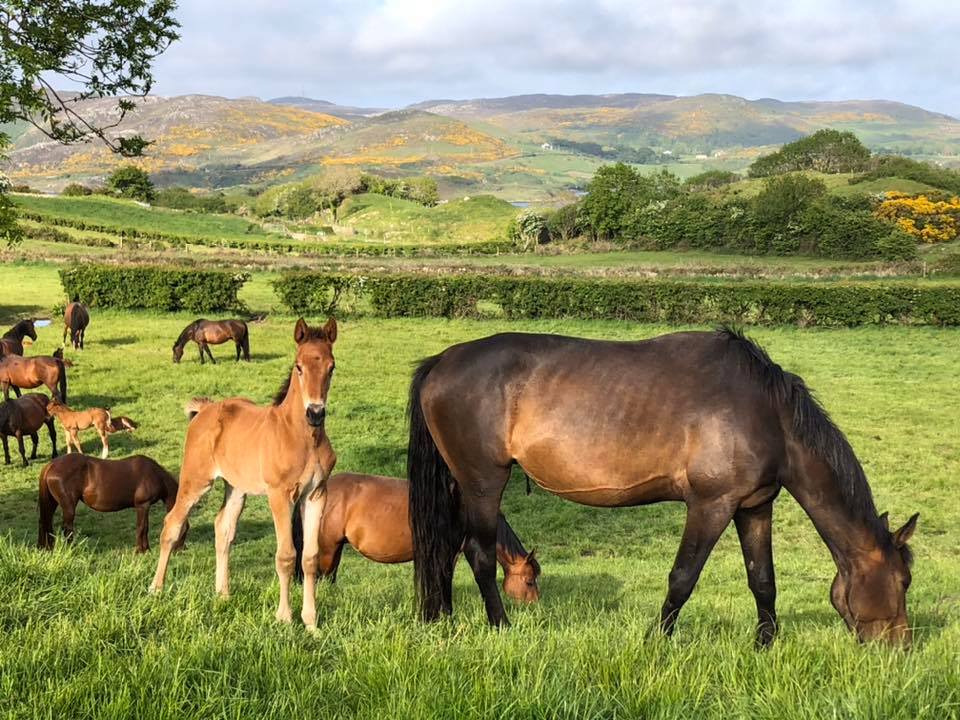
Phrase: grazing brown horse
[30,372]
[213,332]
[75,321]
[105,486]
[371,513]
[73,421]
[12,341]
[281,451]
[25,416]
[700,417]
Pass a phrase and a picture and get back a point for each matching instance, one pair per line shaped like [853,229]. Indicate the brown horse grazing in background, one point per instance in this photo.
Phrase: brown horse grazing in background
[371,513]
[121,423]
[105,486]
[12,341]
[213,332]
[25,416]
[19,372]
[281,450]
[75,321]
[73,421]
[700,417]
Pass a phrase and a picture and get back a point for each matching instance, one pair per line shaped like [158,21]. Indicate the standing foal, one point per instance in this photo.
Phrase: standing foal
[280,451]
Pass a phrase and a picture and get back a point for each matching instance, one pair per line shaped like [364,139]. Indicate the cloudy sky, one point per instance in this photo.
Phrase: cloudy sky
[395,52]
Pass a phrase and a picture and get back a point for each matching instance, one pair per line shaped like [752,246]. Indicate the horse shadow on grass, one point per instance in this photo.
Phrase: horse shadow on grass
[927,621]
[117,341]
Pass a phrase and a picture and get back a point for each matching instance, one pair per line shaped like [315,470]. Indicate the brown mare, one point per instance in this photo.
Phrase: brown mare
[213,332]
[371,513]
[700,417]
[25,416]
[75,321]
[105,486]
[31,372]
[73,421]
[281,450]
[12,341]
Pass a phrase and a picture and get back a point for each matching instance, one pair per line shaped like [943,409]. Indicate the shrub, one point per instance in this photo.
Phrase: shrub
[758,302]
[528,229]
[564,224]
[928,220]
[76,190]
[922,172]
[180,198]
[154,288]
[711,179]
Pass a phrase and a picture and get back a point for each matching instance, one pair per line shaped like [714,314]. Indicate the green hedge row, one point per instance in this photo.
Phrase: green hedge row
[754,302]
[278,245]
[59,236]
[154,288]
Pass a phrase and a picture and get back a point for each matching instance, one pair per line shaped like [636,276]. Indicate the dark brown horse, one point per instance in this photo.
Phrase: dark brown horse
[105,486]
[12,341]
[75,321]
[25,416]
[213,332]
[705,418]
[371,513]
[31,372]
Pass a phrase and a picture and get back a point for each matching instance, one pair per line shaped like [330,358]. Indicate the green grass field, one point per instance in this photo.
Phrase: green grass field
[82,638]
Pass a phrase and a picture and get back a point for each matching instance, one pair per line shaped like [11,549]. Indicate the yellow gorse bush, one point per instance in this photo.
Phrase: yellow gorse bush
[930,221]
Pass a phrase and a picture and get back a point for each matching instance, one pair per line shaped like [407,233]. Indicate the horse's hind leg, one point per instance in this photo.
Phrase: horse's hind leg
[225,528]
[706,522]
[23,450]
[209,353]
[174,524]
[754,529]
[481,505]
[330,563]
[69,512]
[237,342]
[143,527]
[6,450]
[36,439]
[53,438]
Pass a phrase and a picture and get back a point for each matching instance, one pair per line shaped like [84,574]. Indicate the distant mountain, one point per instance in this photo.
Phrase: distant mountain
[204,140]
[325,106]
[502,145]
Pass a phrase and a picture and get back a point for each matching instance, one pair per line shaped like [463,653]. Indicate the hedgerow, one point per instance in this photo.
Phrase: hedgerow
[754,302]
[155,288]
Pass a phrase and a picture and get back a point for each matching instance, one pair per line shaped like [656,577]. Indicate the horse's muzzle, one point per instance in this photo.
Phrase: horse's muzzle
[316,414]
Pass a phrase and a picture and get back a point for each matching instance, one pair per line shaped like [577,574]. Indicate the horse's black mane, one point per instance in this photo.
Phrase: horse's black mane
[813,427]
[18,329]
[284,388]
[184,336]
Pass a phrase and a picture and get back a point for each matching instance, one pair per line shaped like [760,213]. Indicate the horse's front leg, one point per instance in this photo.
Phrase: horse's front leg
[209,353]
[23,450]
[202,360]
[282,508]
[312,509]
[6,450]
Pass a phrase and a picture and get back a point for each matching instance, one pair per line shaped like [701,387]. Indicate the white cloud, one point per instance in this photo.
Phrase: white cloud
[398,51]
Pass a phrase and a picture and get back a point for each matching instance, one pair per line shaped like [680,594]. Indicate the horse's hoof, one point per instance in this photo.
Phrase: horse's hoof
[154,589]
[284,616]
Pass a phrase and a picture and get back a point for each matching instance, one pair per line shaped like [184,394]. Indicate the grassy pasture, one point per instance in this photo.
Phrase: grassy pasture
[81,638]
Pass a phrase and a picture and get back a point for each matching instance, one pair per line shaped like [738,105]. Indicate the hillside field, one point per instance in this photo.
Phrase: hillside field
[82,638]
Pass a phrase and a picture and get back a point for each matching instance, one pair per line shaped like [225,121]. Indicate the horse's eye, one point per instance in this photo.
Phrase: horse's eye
[299,370]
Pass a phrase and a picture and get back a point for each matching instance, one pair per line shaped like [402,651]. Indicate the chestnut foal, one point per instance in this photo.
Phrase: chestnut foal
[281,451]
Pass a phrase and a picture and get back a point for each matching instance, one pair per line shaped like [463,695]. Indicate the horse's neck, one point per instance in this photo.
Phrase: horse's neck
[848,533]
[292,410]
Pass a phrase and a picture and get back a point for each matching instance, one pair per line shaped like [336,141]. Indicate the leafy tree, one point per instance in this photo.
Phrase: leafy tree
[564,224]
[777,211]
[424,190]
[528,229]
[611,195]
[129,181]
[826,151]
[711,179]
[335,186]
[100,48]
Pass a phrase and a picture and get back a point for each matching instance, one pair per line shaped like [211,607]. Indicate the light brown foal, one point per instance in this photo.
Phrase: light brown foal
[73,421]
[281,451]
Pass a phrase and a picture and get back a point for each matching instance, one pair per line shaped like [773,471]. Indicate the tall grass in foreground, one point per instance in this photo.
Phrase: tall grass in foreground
[80,637]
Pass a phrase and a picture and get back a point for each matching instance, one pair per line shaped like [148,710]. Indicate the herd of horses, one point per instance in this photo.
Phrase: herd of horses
[703,418]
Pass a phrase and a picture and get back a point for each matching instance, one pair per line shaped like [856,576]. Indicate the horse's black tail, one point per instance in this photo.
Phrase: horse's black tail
[245,342]
[434,508]
[808,424]
[63,380]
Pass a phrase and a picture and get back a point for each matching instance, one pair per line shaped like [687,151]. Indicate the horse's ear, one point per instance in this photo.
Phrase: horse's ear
[902,536]
[532,555]
[330,330]
[885,519]
[300,331]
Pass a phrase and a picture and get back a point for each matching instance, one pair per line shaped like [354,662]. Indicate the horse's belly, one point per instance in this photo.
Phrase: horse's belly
[591,488]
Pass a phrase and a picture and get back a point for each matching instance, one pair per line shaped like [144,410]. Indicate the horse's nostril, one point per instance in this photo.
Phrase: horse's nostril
[316,414]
